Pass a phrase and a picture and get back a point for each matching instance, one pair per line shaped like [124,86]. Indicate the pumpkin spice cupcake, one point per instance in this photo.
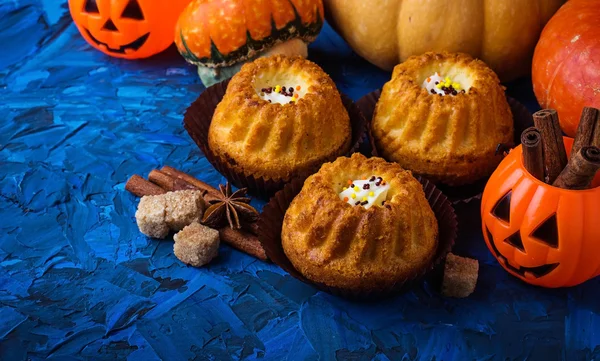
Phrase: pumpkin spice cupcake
[360,224]
[442,116]
[280,118]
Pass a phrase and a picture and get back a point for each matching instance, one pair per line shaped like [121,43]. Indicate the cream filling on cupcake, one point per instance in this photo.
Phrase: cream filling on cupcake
[365,192]
[435,84]
[281,86]
[281,94]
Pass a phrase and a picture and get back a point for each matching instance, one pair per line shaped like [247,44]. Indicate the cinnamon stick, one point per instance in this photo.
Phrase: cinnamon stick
[244,242]
[581,170]
[533,157]
[141,187]
[588,131]
[167,182]
[252,228]
[211,192]
[555,155]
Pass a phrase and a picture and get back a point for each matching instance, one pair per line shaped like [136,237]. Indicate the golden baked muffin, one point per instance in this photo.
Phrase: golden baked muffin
[442,116]
[360,224]
[281,117]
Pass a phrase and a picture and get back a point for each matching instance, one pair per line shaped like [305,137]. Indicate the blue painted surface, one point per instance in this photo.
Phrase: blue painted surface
[77,280]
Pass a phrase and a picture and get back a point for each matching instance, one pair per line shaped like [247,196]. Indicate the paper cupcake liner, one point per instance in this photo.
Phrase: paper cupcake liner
[197,120]
[270,224]
[522,119]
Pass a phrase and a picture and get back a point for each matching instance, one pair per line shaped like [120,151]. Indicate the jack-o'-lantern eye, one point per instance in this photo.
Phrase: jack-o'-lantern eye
[91,7]
[502,209]
[547,232]
[132,11]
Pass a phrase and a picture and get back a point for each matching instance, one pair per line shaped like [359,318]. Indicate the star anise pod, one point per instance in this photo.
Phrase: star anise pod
[231,207]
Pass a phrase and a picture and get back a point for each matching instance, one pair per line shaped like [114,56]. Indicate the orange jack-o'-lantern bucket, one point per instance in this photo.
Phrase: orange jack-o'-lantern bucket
[544,235]
[128,29]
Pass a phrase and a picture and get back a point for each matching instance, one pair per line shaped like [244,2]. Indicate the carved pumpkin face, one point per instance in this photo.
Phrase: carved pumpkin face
[544,235]
[127,28]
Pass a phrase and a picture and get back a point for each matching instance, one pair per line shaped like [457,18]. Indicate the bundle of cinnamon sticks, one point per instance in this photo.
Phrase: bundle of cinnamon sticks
[169,179]
[545,156]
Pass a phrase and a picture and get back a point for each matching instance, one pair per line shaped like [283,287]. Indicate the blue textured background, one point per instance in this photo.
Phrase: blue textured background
[77,280]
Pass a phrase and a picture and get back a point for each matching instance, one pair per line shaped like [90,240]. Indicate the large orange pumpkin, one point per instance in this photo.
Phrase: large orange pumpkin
[502,33]
[544,235]
[566,62]
[127,28]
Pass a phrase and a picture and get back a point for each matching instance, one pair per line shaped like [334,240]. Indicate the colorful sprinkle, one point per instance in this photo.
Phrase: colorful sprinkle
[277,88]
[349,181]
[298,87]
[363,191]
[436,85]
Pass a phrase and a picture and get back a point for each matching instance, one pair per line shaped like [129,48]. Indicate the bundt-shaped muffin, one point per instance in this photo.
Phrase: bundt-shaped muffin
[442,116]
[360,224]
[281,117]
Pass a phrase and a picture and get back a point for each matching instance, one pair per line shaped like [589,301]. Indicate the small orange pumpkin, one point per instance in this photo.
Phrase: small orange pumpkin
[219,33]
[219,36]
[544,235]
[128,29]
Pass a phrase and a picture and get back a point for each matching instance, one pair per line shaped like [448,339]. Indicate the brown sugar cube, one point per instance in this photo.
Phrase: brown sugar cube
[196,244]
[150,216]
[460,276]
[183,208]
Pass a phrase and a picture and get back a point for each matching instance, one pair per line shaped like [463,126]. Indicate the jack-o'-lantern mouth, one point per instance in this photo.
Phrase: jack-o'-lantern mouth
[133,46]
[537,272]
